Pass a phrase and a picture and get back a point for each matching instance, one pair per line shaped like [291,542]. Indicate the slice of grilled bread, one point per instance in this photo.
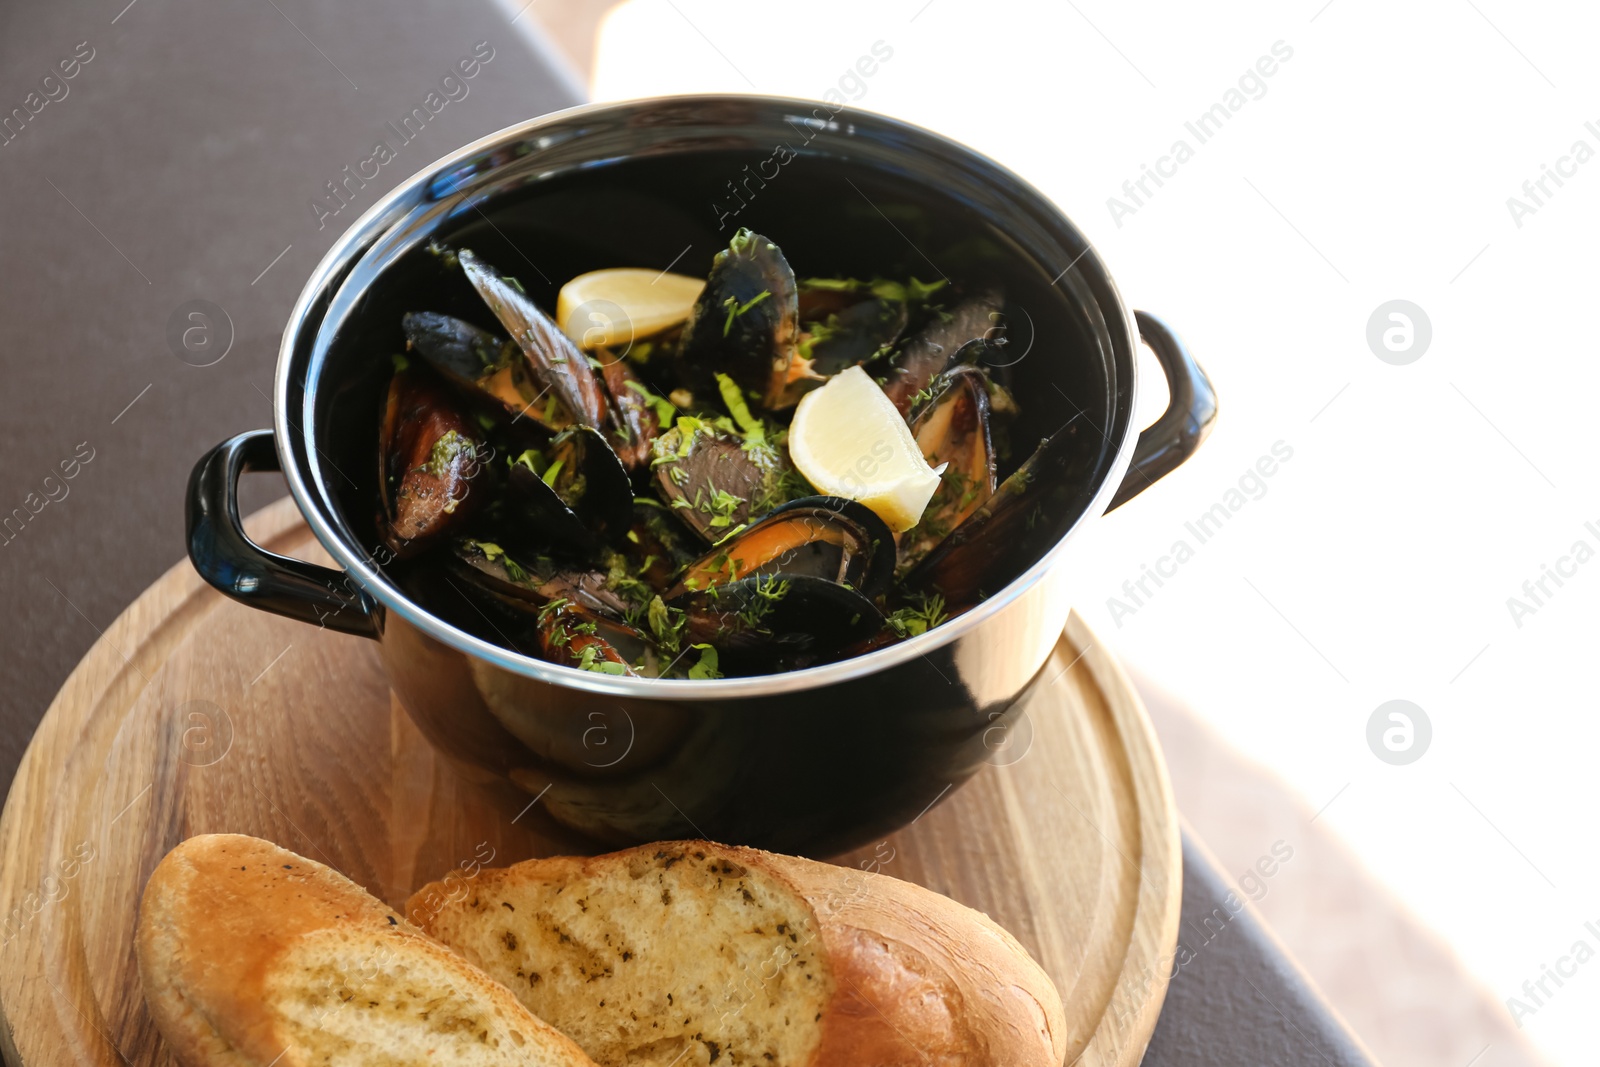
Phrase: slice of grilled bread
[689,953]
[251,955]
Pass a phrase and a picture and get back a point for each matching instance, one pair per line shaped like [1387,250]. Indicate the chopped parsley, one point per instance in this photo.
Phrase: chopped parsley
[918,618]
[736,309]
[446,450]
[666,624]
[590,659]
[707,665]
[768,591]
[662,408]
[493,552]
[754,430]
[722,506]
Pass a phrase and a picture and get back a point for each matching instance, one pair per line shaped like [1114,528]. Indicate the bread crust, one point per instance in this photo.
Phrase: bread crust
[919,979]
[219,915]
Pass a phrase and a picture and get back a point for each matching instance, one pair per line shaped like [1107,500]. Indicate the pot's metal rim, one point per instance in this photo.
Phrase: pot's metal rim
[359,567]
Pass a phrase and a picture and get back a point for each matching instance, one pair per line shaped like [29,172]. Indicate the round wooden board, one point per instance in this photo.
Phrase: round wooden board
[192,715]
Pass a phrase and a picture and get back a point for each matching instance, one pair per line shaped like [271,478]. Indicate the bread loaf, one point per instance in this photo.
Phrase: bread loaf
[253,956]
[692,954]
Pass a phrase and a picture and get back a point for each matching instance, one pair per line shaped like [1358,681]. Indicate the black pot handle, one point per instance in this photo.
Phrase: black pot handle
[1191,410]
[227,558]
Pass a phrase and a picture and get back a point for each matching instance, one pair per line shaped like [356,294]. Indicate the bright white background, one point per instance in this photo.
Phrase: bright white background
[1419,498]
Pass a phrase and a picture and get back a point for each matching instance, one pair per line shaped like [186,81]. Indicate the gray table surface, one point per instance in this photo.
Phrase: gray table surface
[180,162]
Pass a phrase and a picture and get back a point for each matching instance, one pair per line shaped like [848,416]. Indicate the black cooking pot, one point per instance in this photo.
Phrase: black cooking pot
[816,760]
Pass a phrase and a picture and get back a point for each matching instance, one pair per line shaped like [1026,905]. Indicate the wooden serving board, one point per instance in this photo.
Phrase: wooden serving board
[196,715]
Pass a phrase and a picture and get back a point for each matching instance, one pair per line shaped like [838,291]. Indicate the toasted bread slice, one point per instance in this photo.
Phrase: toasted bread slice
[692,954]
[251,955]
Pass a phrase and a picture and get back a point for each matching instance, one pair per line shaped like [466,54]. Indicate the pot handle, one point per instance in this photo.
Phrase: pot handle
[226,557]
[1191,410]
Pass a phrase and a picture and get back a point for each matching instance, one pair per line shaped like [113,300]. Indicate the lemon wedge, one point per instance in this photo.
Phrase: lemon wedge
[613,308]
[849,440]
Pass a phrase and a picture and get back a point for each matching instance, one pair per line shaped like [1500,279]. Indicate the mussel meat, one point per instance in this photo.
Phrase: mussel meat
[573,637]
[431,460]
[472,358]
[714,479]
[824,537]
[638,414]
[952,428]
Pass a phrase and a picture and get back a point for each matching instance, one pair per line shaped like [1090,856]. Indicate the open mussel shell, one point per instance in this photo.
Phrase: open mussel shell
[825,537]
[764,622]
[574,637]
[952,429]
[529,585]
[745,324]
[1018,524]
[713,481]
[657,546]
[845,329]
[636,412]
[572,492]
[553,361]
[473,359]
[431,463]
[932,349]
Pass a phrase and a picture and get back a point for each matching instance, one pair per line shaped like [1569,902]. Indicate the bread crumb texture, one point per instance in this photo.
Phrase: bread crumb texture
[673,954]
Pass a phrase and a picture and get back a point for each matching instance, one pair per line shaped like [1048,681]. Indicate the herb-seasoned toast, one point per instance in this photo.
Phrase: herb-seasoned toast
[691,953]
[251,955]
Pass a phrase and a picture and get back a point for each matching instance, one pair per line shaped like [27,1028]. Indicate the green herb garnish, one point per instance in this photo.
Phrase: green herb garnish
[754,430]
[735,309]
[707,665]
[916,619]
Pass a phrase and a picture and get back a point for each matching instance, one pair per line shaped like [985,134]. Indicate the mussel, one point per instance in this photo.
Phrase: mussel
[746,323]
[825,537]
[1016,526]
[431,461]
[952,428]
[798,582]
[532,583]
[933,348]
[472,358]
[553,361]
[638,414]
[571,490]
[844,324]
[657,546]
[515,456]
[571,636]
[714,479]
